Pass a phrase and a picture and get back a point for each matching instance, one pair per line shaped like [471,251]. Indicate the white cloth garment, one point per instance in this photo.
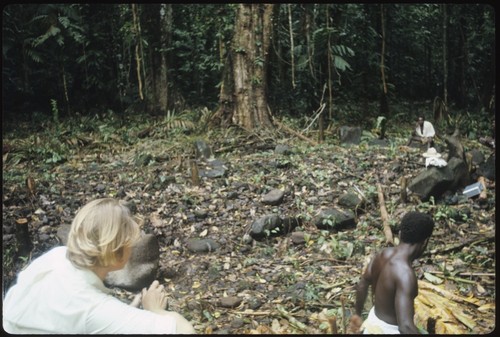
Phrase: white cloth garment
[433,158]
[375,326]
[428,130]
[439,162]
[53,296]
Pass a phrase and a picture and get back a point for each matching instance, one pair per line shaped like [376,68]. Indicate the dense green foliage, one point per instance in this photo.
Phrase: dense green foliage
[83,56]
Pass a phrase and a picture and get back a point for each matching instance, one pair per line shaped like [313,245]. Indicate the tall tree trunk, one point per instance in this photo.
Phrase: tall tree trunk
[329,64]
[166,32]
[445,59]
[244,98]
[138,53]
[292,56]
[384,105]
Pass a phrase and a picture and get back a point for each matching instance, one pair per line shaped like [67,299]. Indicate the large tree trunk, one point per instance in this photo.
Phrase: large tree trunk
[244,90]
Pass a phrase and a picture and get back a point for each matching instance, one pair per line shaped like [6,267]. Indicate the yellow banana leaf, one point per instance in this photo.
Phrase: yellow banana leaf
[448,310]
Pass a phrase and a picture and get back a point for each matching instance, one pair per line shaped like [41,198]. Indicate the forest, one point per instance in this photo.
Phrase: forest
[115,100]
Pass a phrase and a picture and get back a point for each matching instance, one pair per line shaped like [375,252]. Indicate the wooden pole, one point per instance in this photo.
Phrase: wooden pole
[23,239]
[195,175]
[404,184]
[484,193]
[384,216]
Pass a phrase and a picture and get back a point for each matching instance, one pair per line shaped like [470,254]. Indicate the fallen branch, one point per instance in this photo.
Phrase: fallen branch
[309,261]
[460,245]
[463,274]
[253,313]
[384,216]
[292,320]
[293,132]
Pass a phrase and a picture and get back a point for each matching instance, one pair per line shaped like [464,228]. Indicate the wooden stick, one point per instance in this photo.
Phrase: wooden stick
[253,313]
[484,192]
[404,195]
[195,175]
[23,239]
[460,245]
[462,274]
[384,216]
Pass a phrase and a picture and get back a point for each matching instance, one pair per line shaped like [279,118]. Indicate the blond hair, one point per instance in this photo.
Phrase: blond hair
[99,232]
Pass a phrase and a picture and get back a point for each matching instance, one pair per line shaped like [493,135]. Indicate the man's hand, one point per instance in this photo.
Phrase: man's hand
[154,298]
[354,326]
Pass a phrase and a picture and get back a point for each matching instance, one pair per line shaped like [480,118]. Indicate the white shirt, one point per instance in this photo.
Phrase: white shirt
[428,130]
[53,296]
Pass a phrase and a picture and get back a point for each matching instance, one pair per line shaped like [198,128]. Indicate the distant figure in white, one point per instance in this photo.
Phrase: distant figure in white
[424,133]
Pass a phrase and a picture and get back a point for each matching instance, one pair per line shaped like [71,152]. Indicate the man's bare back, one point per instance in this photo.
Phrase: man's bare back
[392,278]
[392,270]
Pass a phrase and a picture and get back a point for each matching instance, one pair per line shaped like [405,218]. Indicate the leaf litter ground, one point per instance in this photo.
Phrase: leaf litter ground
[275,285]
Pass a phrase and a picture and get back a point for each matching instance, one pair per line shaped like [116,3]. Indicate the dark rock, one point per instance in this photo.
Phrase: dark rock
[283,149]
[254,303]
[272,225]
[202,245]
[265,226]
[487,169]
[230,301]
[131,206]
[281,164]
[201,213]
[218,172]
[477,157]
[237,323]
[274,197]
[434,181]
[455,147]
[62,233]
[378,142]
[298,238]
[350,200]
[100,188]
[203,151]
[194,305]
[162,182]
[142,267]
[216,163]
[334,219]
[461,174]
[350,134]
[143,159]
[232,195]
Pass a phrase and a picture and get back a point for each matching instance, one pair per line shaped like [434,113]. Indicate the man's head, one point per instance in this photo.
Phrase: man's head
[100,232]
[420,120]
[416,227]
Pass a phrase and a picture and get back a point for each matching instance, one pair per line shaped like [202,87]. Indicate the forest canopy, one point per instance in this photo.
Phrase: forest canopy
[155,58]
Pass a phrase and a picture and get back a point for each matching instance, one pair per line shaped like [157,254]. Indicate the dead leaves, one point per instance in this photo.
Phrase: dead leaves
[451,313]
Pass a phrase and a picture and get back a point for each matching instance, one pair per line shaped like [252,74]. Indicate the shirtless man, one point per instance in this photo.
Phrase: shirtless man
[393,280]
